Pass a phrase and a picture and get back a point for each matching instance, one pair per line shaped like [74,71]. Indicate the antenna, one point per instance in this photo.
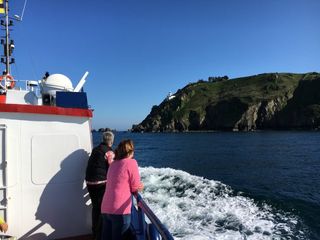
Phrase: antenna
[19,18]
[8,44]
[81,82]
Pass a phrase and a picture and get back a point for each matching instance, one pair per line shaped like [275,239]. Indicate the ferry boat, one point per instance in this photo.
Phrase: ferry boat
[45,141]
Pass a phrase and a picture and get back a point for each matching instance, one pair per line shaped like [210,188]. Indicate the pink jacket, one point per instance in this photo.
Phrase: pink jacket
[122,179]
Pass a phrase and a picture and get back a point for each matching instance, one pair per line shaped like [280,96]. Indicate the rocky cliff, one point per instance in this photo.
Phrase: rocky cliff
[265,101]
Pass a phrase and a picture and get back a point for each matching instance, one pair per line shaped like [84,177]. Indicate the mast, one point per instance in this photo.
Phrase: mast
[7,38]
[8,45]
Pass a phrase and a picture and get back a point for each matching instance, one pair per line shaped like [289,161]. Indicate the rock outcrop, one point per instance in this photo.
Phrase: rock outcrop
[265,101]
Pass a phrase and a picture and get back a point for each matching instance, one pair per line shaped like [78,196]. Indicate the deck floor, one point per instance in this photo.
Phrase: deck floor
[84,237]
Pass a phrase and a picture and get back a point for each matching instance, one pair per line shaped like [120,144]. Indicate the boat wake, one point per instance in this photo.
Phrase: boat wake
[196,208]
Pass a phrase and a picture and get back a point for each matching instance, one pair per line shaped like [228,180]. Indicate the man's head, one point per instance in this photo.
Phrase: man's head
[108,137]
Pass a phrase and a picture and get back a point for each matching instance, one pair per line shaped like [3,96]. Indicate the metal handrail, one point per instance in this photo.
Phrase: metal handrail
[161,228]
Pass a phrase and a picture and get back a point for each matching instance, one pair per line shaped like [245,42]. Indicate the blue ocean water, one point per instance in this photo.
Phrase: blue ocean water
[232,185]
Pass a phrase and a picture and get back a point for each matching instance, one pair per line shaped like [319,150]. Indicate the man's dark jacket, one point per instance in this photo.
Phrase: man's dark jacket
[97,165]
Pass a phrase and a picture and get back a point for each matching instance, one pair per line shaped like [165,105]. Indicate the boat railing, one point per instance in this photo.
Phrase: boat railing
[27,85]
[150,231]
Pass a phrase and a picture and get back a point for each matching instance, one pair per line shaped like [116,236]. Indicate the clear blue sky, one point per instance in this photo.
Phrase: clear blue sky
[138,50]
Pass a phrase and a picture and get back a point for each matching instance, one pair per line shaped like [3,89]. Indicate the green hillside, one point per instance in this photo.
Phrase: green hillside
[265,101]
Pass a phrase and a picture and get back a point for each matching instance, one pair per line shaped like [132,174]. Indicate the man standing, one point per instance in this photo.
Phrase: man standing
[96,174]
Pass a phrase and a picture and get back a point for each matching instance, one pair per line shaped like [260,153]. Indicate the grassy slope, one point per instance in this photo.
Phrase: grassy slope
[248,89]
[196,97]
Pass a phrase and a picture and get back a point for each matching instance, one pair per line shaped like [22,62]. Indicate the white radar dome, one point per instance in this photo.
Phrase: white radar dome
[56,82]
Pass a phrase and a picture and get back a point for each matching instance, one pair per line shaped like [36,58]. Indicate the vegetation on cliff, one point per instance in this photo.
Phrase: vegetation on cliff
[264,101]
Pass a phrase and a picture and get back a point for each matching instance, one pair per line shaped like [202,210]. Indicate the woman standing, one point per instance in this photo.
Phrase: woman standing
[123,180]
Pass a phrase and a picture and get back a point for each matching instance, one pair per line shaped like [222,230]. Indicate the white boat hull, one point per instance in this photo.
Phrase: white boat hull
[42,173]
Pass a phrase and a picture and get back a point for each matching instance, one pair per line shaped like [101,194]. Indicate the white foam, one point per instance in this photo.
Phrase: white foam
[197,208]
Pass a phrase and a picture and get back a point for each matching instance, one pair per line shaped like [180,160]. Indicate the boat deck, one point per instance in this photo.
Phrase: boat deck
[84,237]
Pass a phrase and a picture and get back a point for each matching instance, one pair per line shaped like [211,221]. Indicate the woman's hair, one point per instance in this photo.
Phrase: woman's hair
[124,149]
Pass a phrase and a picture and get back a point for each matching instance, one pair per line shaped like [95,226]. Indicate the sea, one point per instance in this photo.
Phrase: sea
[231,185]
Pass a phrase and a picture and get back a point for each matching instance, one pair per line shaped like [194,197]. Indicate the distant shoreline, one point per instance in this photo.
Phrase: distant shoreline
[226,131]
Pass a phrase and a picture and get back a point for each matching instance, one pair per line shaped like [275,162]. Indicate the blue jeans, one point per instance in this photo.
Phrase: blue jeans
[115,226]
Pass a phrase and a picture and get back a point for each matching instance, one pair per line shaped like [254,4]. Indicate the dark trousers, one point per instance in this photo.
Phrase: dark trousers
[96,193]
[115,227]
